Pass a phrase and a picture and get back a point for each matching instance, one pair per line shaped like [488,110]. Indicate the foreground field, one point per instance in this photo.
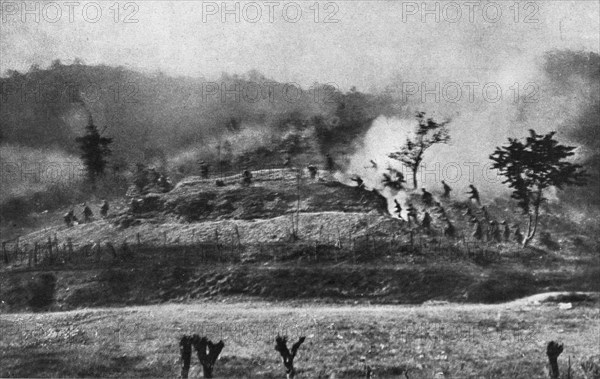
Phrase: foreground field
[447,340]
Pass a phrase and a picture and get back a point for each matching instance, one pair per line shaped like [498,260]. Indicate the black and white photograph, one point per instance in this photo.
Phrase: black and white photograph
[300,189]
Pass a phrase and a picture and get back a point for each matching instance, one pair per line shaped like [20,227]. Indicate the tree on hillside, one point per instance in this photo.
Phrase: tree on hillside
[534,166]
[427,134]
[94,150]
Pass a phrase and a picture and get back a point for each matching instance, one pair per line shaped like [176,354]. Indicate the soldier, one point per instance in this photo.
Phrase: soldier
[69,217]
[104,209]
[87,213]
[494,232]
[506,233]
[426,222]
[398,208]
[449,230]
[474,194]
[312,170]
[411,212]
[477,230]
[247,177]
[426,197]
[287,162]
[203,170]
[447,190]
[518,235]
[329,164]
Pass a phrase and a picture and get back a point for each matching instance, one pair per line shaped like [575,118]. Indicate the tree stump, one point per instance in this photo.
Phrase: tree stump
[287,357]
[185,349]
[208,352]
[553,351]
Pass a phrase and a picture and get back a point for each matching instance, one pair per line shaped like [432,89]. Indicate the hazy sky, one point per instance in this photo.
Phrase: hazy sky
[371,43]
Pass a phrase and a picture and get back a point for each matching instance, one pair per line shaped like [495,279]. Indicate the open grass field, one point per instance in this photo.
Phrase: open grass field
[427,341]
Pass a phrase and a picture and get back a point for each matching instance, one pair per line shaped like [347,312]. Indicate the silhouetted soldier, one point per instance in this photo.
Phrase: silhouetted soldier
[447,190]
[426,197]
[329,164]
[506,233]
[104,209]
[494,231]
[411,213]
[204,170]
[247,177]
[69,218]
[398,208]
[87,213]
[312,170]
[518,235]
[477,230]
[426,222]
[449,230]
[474,194]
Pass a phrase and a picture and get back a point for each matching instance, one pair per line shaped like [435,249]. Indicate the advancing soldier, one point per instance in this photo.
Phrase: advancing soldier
[449,230]
[312,170]
[398,208]
[477,230]
[329,164]
[247,177]
[506,233]
[426,222]
[287,162]
[494,232]
[204,170]
[87,213]
[69,218]
[104,209]
[411,212]
[474,194]
[426,197]
[518,235]
[447,190]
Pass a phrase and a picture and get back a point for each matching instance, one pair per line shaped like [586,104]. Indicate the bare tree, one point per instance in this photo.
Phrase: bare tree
[427,134]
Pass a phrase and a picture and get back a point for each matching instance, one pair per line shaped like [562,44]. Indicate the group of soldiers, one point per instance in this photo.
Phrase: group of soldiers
[70,219]
[488,228]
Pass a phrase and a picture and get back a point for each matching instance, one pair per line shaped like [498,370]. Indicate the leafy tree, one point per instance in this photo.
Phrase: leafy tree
[94,150]
[532,167]
[427,134]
